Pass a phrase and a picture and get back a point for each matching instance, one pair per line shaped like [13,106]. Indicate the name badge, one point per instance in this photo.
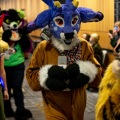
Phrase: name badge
[62,61]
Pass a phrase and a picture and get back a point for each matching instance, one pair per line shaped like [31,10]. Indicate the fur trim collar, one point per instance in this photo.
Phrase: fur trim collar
[61,46]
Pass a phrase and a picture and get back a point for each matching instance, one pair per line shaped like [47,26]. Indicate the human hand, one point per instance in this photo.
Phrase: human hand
[8,53]
[11,50]
[110,35]
[5,95]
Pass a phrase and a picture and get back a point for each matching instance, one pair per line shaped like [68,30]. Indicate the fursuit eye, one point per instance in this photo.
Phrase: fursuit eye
[7,21]
[75,20]
[18,21]
[59,21]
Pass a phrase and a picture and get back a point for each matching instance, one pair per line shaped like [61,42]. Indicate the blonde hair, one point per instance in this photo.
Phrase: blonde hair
[117,23]
[95,36]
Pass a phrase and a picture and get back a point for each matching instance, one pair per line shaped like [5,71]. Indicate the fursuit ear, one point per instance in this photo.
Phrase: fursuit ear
[50,3]
[88,15]
[43,19]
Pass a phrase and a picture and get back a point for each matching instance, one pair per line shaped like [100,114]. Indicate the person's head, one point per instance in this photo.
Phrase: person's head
[86,36]
[116,27]
[94,38]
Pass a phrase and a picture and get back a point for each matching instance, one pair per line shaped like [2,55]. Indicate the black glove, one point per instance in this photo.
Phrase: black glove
[76,78]
[6,35]
[56,78]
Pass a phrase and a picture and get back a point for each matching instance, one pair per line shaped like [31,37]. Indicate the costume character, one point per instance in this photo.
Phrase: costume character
[61,67]
[14,64]
[108,104]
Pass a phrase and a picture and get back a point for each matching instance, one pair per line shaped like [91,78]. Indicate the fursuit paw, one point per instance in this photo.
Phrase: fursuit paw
[78,81]
[76,78]
[72,70]
[6,35]
[23,30]
[56,78]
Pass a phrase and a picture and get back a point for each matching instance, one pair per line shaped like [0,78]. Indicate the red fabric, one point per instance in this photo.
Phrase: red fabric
[1,19]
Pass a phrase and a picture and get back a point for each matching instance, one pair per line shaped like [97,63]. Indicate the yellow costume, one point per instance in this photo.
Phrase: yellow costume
[3,45]
[108,104]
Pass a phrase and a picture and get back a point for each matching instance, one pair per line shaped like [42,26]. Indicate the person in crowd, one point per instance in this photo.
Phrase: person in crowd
[114,34]
[14,63]
[94,41]
[61,67]
[3,84]
[3,87]
[116,49]
[86,36]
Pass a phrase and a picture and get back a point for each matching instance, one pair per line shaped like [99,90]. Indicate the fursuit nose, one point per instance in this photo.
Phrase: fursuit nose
[69,35]
[68,38]
[14,25]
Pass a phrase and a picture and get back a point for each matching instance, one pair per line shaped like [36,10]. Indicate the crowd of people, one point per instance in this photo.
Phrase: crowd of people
[59,67]
[93,39]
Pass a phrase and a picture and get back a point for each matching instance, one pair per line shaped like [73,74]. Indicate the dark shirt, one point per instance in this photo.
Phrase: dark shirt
[114,40]
[98,53]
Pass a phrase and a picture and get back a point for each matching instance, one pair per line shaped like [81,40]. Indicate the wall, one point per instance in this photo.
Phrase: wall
[102,28]
[33,7]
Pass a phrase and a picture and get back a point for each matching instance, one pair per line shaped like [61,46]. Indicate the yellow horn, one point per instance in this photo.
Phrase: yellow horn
[75,3]
[57,4]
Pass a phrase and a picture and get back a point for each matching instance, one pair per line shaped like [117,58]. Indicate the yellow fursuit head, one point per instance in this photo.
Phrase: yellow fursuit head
[108,103]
